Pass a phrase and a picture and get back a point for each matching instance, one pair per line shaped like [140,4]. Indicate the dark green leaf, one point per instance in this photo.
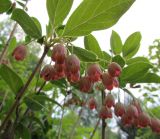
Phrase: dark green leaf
[91,44]
[27,39]
[135,71]
[149,78]
[137,59]
[23,132]
[131,45]
[4,5]
[45,98]
[118,59]
[1,46]
[116,43]
[37,102]
[58,10]
[94,15]
[83,54]
[27,23]
[34,103]
[38,121]
[62,83]
[11,78]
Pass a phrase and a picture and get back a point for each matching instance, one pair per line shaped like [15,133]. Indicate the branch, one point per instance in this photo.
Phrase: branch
[21,93]
[94,131]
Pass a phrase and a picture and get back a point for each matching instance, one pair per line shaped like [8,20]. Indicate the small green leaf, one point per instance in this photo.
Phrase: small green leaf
[118,59]
[83,54]
[11,78]
[91,44]
[131,45]
[106,56]
[26,22]
[4,5]
[94,15]
[135,71]
[27,39]
[21,4]
[116,43]
[59,30]
[58,10]
[149,78]
[137,59]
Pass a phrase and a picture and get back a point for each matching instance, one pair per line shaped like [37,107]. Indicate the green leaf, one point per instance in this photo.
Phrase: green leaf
[37,102]
[26,22]
[27,39]
[135,71]
[106,56]
[12,45]
[131,45]
[118,59]
[94,15]
[62,83]
[83,54]
[37,24]
[22,131]
[137,59]
[149,78]
[105,60]
[11,78]
[59,30]
[58,10]
[34,103]
[49,30]
[91,44]
[116,43]
[4,5]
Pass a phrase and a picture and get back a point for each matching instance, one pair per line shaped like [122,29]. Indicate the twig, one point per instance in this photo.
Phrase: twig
[94,131]
[103,120]
[23,89]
